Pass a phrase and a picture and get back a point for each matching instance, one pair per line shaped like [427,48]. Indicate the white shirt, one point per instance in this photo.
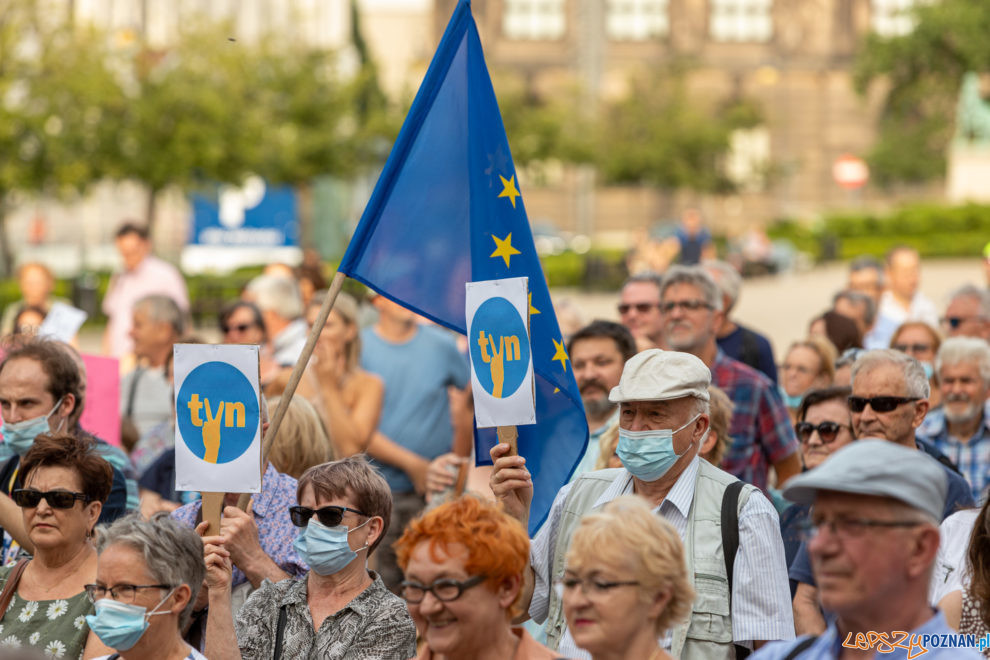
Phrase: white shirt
[950,572]
[890,315]
[761,603]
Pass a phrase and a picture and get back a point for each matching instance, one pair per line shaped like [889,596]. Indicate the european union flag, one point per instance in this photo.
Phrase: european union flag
[447,210]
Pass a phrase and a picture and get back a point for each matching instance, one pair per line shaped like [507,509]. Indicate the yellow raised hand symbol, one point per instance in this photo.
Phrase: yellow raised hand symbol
[211,433]
[497,365]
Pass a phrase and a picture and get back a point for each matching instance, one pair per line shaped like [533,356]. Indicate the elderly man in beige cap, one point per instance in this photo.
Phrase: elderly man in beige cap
[731,534]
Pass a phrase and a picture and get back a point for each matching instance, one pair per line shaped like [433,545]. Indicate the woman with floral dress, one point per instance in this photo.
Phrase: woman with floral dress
[62,485]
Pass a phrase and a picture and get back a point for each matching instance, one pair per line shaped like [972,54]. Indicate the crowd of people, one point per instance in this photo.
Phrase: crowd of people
[726,505]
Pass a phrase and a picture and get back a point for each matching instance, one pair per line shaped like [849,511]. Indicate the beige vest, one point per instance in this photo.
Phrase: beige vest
[708,633]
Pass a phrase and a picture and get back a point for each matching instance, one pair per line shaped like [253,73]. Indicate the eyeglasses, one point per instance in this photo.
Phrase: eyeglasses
[641,308]
[28,498]
[331,516]
[687,305]
[850,528]
[125,593]
[880,404]
[591,587]
[240,327]
[912,348]
[444,590]
[827,431]
[800,368]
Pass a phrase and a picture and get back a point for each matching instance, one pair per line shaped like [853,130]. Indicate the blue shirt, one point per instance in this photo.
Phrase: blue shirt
[416,410]
[971,457]
[828,645]
[734,345]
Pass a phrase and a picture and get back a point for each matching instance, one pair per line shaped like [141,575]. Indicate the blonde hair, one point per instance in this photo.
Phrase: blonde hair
[826,352]
[720,416]
[348,308]
[627,534]
[302,440]
[607,443]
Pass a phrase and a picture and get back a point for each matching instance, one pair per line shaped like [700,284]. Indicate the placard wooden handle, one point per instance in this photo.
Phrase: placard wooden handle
[212,508]
[510,436]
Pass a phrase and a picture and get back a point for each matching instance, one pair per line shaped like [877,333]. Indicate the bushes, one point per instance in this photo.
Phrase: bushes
[603,270]
[935,231]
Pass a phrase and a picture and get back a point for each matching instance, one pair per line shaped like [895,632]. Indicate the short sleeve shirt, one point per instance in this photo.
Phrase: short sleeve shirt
[375,625]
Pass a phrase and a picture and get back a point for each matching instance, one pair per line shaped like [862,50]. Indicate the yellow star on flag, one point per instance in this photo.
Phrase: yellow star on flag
[561,354]
[503,248]
[556,390]
[509,189]
[532,310]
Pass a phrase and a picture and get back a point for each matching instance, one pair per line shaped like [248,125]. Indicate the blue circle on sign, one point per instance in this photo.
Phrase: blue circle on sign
[217,412]
[498,333]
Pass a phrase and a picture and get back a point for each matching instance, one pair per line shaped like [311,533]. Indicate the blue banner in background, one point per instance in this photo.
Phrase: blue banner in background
[254,215]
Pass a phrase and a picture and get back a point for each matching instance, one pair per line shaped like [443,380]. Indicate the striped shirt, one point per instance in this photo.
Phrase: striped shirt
[761,601]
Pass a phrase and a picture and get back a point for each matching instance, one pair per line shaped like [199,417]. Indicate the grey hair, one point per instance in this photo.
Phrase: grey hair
[276,294]
[163,309]
[173,553]
[915,380]
[864,263]
[861,299]
[726,277]
[973,291]
[646,277]
[958,350]
[696,277]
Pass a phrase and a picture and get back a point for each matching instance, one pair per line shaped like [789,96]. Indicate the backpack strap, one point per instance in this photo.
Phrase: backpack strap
[730,541]
[11,585]
[280,631]
[800,648]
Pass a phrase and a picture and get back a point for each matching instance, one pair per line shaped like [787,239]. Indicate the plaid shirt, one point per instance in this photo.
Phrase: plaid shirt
[760,428]
[972,457]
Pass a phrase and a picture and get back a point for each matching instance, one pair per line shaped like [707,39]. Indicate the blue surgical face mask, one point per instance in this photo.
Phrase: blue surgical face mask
[790,401]
[648,455]
[929,369]
[20,436]
[326,549]
[119,625]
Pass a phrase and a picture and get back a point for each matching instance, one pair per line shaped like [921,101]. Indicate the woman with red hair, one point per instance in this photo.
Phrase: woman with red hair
[464,563]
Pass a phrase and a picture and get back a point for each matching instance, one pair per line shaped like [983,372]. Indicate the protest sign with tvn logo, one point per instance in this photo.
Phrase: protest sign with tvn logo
[218,418]
[501,362]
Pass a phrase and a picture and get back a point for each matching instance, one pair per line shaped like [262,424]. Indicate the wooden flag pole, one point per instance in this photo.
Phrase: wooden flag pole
[297,371]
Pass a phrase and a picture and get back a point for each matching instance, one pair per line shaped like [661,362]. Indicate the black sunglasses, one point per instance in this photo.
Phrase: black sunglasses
[642,308]
[240,327]
[827,431]
[28,498]
[331,516]
[880,404]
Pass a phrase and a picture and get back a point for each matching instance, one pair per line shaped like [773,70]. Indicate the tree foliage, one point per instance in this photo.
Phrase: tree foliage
[921,73]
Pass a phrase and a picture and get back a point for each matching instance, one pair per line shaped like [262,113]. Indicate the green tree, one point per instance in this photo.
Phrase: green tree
[54,91]
[921,73]
[659,135]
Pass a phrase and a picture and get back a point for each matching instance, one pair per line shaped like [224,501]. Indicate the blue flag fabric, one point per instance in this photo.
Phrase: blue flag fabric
[447,210]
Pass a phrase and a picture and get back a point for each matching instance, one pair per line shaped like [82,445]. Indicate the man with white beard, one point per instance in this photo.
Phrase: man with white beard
[960,428]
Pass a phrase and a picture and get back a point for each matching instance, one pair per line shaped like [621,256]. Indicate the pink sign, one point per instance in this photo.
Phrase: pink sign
[101,416]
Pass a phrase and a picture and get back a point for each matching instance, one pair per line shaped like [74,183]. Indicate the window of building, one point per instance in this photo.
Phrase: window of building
[636,20]
[891,18]
[533,19]
[740,20]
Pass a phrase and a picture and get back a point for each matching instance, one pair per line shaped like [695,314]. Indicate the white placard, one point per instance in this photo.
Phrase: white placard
[501,359]
[217,418]
[62,322]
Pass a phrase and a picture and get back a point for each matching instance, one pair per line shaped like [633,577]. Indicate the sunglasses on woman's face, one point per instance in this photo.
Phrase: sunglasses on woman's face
[240,328]
[28,498]
[331,516]
[827,431]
